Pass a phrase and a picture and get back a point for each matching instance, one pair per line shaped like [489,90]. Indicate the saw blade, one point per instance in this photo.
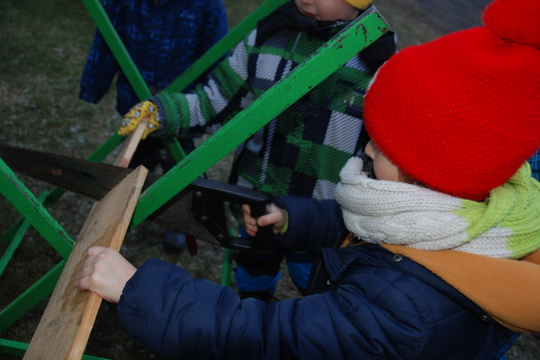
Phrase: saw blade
[95,180]
[197,210]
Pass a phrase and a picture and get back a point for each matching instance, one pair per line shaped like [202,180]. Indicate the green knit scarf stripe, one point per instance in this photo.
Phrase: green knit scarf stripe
[515,206]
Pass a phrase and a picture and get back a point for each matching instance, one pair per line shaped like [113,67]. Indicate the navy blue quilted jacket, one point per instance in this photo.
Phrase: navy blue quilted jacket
[366,303]
[163,37]
[369,304]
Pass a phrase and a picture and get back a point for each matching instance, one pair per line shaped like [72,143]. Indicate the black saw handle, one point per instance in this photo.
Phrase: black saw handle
[207,205]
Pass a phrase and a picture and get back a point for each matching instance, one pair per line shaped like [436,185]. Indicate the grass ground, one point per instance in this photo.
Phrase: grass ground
[43,47]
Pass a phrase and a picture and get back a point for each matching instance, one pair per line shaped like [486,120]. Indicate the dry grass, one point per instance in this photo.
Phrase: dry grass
[43,47]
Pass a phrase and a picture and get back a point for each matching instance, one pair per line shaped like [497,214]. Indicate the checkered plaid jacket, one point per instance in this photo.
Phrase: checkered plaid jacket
[302,150]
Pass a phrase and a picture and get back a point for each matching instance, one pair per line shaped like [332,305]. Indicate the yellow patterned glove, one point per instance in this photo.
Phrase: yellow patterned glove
[134,117]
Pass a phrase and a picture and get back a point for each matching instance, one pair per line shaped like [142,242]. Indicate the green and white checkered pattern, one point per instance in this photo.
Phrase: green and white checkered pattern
[302,150]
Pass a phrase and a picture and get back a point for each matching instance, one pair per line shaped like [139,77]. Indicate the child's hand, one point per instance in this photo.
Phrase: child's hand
[134,117]
[276,217]
[104,272]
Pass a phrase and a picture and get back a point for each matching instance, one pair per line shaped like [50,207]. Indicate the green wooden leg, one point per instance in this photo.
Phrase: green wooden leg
[49,198]
[34,211]
[11,232]
[227,270]
[17,237]
[19,348]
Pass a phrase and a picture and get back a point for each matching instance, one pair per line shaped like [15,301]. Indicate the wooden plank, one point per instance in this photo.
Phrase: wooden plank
[130,144]
[67,321]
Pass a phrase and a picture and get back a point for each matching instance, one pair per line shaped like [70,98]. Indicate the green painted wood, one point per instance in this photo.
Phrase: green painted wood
[100,154]
[13,245]
[17,237]
[12,347]
[31,297]
[176,149]
[19,348]
[226,273]
[34,211]
[11,232]
[353,39]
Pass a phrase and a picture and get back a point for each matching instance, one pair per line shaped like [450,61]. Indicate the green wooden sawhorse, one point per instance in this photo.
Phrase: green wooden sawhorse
[358,35]
[192,73]
[15,234]
[53,233]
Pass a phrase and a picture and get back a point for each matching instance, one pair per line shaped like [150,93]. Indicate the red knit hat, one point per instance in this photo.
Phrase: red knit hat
[461,114]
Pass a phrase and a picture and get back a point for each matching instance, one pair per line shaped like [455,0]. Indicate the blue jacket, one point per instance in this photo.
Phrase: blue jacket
[163,37]
[368,304]
[535,165]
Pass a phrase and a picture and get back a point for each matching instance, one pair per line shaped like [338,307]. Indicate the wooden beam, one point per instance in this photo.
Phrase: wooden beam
[67,321]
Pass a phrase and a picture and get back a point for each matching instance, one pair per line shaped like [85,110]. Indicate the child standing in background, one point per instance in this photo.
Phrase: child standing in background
[163,38]
[301,151]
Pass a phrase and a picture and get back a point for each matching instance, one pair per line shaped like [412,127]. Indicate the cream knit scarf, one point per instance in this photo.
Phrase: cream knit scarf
[506,225]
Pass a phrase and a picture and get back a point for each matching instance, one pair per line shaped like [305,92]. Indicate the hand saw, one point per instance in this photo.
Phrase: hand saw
[199,209]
